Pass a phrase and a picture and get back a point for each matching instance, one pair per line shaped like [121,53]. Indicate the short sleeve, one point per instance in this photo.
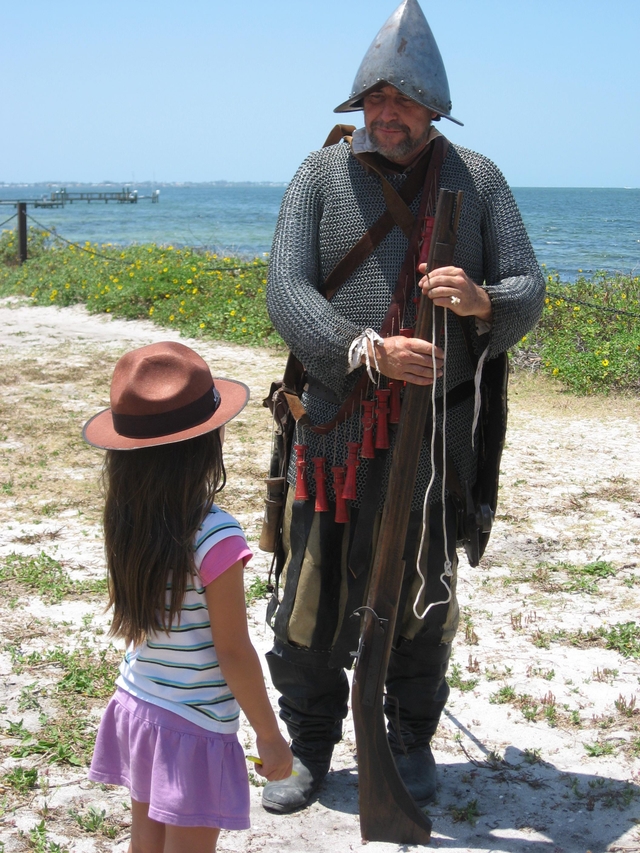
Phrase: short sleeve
[222,556]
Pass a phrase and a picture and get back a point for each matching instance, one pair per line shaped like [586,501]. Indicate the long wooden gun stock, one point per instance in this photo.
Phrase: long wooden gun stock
[387,810]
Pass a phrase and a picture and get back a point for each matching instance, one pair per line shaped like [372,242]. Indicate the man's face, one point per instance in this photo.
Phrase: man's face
[397,125]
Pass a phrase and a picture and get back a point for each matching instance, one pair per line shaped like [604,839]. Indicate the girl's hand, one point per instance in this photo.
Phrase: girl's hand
[451,287]
[276,758]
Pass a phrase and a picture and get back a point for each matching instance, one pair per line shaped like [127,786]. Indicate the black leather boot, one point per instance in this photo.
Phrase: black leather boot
[313,703]
[417,770]
[417,691]
[295,792]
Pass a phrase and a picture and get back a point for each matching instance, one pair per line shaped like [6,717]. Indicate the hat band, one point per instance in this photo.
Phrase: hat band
[165,423]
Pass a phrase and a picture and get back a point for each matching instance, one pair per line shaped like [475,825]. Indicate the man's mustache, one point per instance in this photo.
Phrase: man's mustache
[389,125]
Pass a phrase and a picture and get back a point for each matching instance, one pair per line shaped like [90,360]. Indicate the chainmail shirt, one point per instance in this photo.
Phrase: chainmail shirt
[331,202]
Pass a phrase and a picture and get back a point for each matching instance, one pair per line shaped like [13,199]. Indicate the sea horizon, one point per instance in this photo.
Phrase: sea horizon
[225,183]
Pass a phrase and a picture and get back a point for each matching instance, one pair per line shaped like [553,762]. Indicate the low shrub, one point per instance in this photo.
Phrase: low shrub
[199,293]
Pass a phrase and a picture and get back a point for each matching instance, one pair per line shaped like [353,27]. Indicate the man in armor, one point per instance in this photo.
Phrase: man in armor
[330,312]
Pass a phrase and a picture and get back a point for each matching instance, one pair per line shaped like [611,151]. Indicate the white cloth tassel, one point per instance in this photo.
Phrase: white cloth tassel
[360,347]
[478,397]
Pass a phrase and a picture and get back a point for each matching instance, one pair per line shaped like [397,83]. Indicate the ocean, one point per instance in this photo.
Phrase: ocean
[572,230]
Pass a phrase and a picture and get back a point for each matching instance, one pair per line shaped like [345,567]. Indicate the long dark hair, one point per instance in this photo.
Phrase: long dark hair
[156,498]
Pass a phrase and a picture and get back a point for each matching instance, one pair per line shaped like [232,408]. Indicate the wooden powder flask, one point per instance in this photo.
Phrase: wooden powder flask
[342,510]
[302,489]
[387,810]
[320,479]
[368,450]
[382,418]
[350,490]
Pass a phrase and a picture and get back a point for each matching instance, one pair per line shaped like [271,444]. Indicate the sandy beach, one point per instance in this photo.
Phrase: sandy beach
[539,748]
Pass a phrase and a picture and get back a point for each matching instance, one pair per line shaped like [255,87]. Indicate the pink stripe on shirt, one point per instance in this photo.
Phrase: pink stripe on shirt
[222,556]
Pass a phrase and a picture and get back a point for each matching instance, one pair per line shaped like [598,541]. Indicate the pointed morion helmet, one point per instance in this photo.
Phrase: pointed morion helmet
[404,54]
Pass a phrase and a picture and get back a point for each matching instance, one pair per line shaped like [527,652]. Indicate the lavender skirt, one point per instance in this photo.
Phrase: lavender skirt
[188,775]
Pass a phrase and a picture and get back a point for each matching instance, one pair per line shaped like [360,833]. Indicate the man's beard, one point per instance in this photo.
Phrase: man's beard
[400,150]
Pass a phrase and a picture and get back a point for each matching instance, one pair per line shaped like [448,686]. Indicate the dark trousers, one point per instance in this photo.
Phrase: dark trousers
[311,680]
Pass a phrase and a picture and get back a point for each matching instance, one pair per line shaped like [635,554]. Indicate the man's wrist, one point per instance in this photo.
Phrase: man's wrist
[484,310]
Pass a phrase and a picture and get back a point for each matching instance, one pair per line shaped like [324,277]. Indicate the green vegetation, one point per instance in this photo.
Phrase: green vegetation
[44,576]
[198,293]
[38,840]
[599,748]
[624,638]
[21,779]
[69,740]
[95,820]
[547,576]
[589,335]
[257,589]
[455,679]
[84,678]
[468,813]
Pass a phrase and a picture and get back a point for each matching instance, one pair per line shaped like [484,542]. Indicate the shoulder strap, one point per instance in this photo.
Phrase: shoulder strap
[425,176]
[397,212]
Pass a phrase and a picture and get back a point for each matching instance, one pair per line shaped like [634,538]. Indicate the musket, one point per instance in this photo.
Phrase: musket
[387,810]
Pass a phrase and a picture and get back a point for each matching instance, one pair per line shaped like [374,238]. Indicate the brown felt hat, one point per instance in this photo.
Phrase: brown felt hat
[161,394]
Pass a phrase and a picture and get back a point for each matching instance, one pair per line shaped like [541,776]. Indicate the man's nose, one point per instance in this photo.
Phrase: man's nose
[389,111]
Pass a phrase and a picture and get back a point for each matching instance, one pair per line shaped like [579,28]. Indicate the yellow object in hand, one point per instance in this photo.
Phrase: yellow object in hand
[256,760]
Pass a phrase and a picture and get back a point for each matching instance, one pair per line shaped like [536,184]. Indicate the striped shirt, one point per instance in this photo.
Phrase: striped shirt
[179,671]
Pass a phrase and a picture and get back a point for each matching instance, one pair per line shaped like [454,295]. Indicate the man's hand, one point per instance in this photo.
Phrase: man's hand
[451,287]
[408,359]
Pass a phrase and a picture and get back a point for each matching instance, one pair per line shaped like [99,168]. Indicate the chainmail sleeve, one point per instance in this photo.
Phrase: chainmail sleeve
[512,276]
[312,328]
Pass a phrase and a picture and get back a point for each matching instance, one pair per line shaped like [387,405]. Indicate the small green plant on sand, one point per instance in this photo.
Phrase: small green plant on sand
[505,694]
[38,840]
[257,589]
[455,679]
[623,637]
[468,813]
[599,748]
[21,779]
[95,821]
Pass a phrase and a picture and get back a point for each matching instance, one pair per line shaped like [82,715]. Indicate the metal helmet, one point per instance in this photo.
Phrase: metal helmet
[404,54]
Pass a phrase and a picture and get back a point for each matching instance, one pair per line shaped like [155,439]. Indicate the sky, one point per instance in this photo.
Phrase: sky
[242,90]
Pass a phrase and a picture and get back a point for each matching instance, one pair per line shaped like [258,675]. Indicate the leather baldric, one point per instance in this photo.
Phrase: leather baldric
[424,177]
[397,210]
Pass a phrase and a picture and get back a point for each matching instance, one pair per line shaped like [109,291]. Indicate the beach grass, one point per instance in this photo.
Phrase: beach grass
[588,337]
[589,333]
[198,293]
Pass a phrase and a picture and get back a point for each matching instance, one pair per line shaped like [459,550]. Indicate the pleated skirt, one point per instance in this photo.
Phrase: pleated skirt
[188,775]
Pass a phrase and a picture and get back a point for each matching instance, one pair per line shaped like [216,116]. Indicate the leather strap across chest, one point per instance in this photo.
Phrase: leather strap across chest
[397,211]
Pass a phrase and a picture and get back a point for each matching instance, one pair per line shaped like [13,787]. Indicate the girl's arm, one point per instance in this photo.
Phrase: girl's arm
[242,671]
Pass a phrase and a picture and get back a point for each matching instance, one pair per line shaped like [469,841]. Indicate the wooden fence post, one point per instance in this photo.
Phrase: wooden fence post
[22,231]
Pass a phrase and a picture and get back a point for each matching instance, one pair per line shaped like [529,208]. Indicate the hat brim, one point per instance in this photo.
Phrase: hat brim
[99,431]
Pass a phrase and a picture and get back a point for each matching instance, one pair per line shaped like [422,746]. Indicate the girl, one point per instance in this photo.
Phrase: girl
[175,563]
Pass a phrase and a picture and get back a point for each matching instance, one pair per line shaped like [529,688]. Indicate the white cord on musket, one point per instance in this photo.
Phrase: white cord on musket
[360,348]
[448,570]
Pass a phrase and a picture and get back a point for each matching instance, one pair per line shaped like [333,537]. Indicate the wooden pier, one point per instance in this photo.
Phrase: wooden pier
[62,197]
